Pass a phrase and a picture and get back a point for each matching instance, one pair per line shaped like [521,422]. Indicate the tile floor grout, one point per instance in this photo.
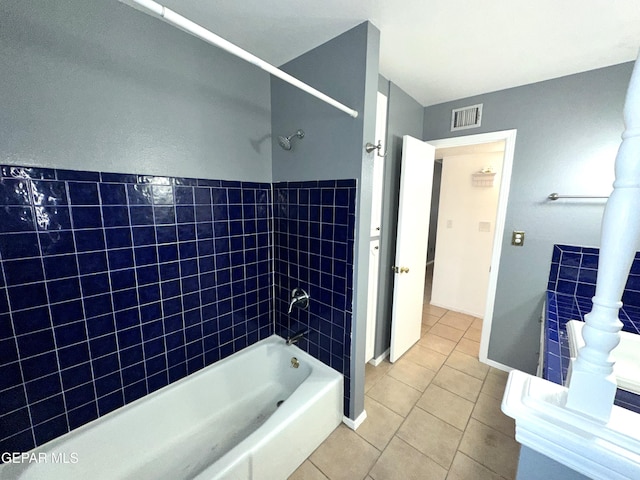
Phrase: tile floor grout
[368,453]
[416,404]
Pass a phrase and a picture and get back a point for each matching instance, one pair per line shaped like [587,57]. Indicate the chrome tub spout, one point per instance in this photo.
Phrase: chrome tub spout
[296,337]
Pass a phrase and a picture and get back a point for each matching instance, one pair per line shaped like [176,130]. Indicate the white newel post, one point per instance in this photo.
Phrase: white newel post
[592,384]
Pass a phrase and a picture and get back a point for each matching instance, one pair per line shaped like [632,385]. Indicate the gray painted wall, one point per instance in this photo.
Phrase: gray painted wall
[568,133]
[405,117]
[345,68]
[383,85]
[535,466]
[96,85]
[332,145]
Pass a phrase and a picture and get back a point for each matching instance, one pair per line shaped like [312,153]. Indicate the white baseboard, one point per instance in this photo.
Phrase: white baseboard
[455,309]
[354,424]
[378,360]
[494,364]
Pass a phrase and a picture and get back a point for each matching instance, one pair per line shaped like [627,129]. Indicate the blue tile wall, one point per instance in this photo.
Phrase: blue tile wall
[314,227]
[572,283]
[560,308]
[574,269]
[115,285]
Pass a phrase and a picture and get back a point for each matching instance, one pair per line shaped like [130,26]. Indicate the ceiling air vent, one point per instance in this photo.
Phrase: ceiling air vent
[466,117]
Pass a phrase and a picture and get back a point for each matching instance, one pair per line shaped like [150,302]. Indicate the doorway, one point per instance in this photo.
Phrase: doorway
[508,137]
[463,226]
[504,183]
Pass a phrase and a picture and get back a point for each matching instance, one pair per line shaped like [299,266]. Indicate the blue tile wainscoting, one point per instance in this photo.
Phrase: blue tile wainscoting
[113,286]
[314,225]
[573,272]
[572,284]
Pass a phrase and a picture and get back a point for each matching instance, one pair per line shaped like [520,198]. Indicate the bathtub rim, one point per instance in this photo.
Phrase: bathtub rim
[331,380]
[624,380]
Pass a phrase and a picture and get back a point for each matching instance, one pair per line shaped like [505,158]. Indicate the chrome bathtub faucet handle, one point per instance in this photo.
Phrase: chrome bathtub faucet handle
[299,298]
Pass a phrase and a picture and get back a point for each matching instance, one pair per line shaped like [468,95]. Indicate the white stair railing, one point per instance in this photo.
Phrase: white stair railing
[578,425]
[592,384]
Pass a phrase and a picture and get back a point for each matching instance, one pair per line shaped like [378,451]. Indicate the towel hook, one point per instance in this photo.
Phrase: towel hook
[370,147]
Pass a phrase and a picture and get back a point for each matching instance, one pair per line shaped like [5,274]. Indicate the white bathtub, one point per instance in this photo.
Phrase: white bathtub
[220,423]
[626,355]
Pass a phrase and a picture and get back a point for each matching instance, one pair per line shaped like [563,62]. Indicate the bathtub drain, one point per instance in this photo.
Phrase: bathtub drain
[280,402]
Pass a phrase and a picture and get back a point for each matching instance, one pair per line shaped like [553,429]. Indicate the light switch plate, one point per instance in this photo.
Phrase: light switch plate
[484,226]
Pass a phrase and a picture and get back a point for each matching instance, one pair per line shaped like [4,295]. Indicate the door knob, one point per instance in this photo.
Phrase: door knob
[400,269]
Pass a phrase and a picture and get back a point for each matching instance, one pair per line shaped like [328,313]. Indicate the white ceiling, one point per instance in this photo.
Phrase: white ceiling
[439,50]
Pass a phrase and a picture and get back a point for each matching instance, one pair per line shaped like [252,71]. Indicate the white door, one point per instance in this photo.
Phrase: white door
[416,178]
[378,164]
[374,255]
[376,214]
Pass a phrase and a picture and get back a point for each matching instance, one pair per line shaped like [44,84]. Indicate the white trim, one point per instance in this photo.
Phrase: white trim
[354,424]
[499,366]
[607,451]
[456,309]
[172,18]
[379,359]
[509,137]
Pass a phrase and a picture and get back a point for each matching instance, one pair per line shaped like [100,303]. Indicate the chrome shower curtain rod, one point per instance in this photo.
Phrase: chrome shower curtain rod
[155,9]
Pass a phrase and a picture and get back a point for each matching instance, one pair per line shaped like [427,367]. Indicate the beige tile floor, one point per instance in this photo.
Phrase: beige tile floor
[433,414]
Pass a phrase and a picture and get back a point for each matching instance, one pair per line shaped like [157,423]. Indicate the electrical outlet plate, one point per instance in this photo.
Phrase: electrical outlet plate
[517,238]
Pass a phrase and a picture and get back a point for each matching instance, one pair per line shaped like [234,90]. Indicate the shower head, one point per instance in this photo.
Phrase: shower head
[285,142]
